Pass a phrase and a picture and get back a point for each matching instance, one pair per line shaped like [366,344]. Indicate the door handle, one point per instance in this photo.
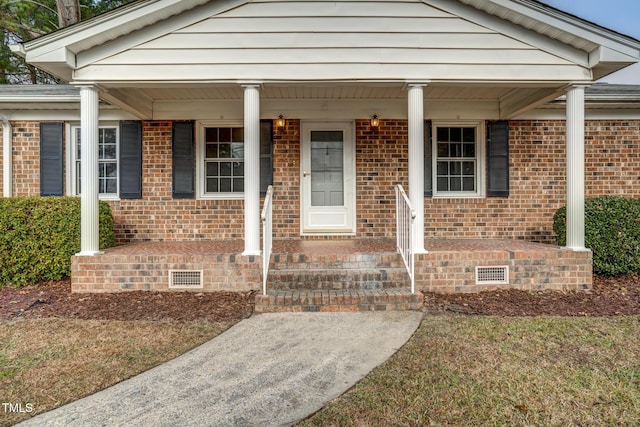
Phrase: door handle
[305,173]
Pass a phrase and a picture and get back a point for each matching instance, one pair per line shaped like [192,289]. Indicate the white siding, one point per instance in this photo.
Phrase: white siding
[322,40]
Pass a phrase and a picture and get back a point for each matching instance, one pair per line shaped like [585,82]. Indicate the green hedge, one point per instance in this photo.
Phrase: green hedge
[612,232]
[39,236]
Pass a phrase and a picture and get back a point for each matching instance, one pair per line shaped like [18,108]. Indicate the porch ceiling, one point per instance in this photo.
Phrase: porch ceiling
[154,102]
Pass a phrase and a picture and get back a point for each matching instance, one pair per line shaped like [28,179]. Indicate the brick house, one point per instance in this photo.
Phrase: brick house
[182,113]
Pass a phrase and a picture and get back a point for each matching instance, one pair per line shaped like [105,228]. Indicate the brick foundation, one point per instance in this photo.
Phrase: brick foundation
[450,266]
[145,267]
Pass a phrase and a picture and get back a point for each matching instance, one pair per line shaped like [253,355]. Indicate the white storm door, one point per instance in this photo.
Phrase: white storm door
[327,177]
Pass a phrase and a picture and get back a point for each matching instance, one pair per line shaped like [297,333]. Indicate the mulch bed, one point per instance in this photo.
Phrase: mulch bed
[609,297]
[54,299]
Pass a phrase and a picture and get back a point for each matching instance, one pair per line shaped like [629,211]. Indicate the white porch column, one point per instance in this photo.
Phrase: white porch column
[575,168]
[89,235]
[416,161]
[251,169]
[7,158]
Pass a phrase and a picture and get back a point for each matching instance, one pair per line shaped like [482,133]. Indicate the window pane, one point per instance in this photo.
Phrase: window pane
[108,136]
[443,184]
[469,184]
[111,170]
[469,150]
[108,152]
[212,185]
[469,135]
[455,184]
[238,185]
[455,150]
[456,134]
[212,169]
[225,168]
[455,168]
[238,169]
[225,185]
[224,151]
[237,150]
[443,150]
[111,186]
[224,135]
[237,134]
[211,135]
[468,168]
[443,134]
[212,151]
[443,168]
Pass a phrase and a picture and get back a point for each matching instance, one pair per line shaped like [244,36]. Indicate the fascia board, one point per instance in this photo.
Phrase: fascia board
[577,27]
[539,41]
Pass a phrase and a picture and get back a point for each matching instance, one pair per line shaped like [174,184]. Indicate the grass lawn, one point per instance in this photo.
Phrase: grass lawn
[49,362]
[469,371]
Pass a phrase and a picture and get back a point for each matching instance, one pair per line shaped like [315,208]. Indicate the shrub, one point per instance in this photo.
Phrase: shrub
[39,236]
[612,232]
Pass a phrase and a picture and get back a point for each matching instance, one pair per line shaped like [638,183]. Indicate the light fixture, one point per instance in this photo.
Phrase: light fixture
[280,122]
[375,123]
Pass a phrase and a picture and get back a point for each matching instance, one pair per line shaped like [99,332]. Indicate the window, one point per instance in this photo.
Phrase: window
[221,164]
[457,160]
[108,141]
[224,160]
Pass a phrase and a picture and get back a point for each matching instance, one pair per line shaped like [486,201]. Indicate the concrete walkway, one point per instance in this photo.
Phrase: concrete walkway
[268,370]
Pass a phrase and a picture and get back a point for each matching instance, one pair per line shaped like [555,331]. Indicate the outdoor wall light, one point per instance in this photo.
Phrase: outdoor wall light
[375,123]
[280,122]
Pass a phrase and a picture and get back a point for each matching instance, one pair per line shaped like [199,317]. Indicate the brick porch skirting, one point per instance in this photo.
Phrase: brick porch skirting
[146,266]
[450,265]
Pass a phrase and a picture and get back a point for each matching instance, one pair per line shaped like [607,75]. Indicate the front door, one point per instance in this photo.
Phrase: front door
[327,178]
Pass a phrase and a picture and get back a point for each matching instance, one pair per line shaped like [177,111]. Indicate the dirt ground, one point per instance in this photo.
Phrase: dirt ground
[609,297]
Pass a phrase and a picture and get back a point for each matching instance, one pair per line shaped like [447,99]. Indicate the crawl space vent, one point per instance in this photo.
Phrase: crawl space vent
[185,279]
[494,275]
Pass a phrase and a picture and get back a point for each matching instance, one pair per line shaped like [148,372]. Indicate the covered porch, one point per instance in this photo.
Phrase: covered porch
[426,94]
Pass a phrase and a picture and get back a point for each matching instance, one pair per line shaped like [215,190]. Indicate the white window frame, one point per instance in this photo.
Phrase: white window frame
[480,172]
[71,157]
[201,147]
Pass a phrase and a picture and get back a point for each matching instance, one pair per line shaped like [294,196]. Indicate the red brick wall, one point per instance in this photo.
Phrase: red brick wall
[537,189]
[537,168]
[381,163]
[26,158]
[157,216]
[612,158]
[286,181]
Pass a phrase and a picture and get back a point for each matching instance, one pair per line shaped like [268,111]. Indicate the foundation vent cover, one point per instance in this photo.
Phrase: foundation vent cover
[185,279]
[494,275]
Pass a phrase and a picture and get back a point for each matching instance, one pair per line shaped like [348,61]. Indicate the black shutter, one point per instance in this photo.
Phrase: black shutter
[183,160]
[498,158]
[428,163]
[51,154]
[266,155]
[130,166]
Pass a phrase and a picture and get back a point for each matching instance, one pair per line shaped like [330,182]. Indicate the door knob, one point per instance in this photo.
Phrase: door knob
[305,173]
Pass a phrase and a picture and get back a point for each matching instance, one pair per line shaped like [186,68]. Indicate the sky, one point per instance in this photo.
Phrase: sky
[622,16]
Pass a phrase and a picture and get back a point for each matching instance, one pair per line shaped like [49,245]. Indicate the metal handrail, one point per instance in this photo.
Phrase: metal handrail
[405,216]
[266,216]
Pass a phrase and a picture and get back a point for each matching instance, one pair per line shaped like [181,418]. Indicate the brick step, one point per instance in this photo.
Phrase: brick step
[336,261]
[338,300]
[335,279]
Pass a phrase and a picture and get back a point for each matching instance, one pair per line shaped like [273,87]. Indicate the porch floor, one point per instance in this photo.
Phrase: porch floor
[313,247]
